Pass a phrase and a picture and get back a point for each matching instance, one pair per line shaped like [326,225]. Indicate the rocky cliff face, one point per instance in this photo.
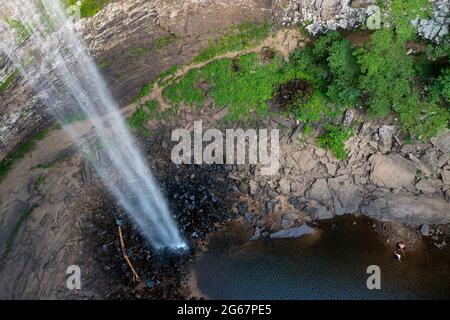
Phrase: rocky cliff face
[135,40]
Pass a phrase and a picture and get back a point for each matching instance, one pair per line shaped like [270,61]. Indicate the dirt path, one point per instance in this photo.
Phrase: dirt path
[284,41]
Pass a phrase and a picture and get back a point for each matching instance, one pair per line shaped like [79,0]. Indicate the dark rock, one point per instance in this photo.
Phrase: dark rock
[293,232]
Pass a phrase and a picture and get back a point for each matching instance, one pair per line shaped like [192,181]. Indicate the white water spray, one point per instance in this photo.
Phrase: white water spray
[40,40]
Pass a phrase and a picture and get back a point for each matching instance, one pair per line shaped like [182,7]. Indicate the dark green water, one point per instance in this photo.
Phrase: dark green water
[331,266]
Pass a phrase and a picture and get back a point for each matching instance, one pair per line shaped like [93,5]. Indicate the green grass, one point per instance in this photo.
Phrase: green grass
[144,113]
[139,51]
[145,91]
[40,180]
[16,229]
[333,138]
[240,37]
[51,164]
[244,86]
[9,79]
[147,88]
[105,63]
[7,164]
[163,41]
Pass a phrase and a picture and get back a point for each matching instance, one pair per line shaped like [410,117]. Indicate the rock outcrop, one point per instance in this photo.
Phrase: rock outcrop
[409,209]
[392,171]
[436,27]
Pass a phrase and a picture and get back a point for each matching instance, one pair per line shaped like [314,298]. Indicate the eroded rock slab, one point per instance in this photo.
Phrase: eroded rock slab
[409,209]
[392,171]
[345,194]
[293,232]
[442,142]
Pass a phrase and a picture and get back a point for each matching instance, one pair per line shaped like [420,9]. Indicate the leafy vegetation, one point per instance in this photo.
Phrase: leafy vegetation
[21,30]
[241,36]
[401,13]
[163,41]
[105,63]
[411,85]
[7,164]
[51,164]
[9,79]
[88,8]
[334,138]
[244,85]
[142,115]
[145,90]
[40,180]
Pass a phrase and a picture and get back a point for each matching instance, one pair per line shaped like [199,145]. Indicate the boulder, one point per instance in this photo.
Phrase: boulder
[322,213]
[331,168]
[425,230]
[293,232]
[303,160]
[253,186]
[430,159]
[442,141]
[345,195]
[409,209]
[285,185]
[290,218]
[320,191]
[386,133]
[392,171]
[429,186]
[446,177]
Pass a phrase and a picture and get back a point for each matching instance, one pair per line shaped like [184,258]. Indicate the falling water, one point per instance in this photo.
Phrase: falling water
[39,38]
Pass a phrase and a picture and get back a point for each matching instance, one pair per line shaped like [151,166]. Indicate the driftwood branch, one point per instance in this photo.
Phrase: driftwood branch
[125,255]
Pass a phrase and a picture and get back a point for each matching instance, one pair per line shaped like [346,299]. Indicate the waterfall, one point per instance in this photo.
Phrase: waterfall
[39,38]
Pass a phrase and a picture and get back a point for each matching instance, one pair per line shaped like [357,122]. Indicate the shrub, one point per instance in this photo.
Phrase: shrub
[333,138]
[387,73]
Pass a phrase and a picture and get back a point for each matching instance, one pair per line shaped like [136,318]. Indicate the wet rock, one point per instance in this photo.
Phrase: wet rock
[425,230]
[293,232]
[397,233]
[392,171]
[257,234]
[410,209]
[290,218]
[345,195]
[386,133]
[271,207]
[322,213]
[298,202]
